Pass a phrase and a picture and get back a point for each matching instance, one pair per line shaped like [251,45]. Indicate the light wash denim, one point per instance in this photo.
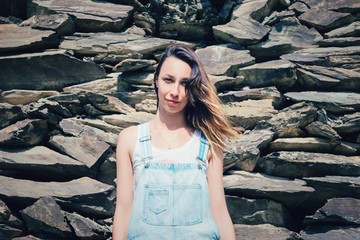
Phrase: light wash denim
[171,200]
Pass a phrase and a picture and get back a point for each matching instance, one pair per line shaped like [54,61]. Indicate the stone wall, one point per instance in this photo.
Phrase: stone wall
[73,74]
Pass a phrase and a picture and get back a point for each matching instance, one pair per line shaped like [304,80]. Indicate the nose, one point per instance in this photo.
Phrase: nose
[175,90]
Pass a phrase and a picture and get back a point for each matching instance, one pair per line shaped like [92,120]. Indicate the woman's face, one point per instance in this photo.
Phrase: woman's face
[171,85]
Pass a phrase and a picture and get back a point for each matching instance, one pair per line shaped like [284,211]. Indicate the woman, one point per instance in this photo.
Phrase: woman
[169,170]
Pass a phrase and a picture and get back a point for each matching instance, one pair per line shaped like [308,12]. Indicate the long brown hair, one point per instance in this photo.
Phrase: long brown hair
[204,109]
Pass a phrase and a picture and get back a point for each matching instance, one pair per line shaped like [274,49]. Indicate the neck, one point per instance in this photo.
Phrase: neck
[170,121]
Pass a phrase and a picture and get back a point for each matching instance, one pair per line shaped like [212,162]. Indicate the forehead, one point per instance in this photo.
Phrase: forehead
[175,66]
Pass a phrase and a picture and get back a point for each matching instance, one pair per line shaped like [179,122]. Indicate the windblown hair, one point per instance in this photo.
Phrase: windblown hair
[204,109]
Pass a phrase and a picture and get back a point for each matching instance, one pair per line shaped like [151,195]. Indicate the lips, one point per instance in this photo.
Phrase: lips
[172,101]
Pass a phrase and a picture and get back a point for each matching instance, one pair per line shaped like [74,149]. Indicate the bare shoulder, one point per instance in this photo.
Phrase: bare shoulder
[126,139]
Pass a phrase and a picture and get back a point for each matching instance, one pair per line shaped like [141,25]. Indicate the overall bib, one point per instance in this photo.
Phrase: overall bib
[171,200]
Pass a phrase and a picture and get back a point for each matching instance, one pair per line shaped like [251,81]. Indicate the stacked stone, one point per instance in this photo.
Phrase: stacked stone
[73,75]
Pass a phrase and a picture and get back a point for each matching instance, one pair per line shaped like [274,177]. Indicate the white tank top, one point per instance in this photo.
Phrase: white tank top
[187,153]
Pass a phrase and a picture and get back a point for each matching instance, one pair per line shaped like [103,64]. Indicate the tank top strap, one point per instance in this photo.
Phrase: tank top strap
[203,150]
[145,144]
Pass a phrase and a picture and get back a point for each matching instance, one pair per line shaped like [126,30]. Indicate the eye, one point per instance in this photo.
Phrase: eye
[167,79]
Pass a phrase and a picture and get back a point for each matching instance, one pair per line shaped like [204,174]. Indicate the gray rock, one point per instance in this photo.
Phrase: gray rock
[129,65]
[331,51]
[146,22]
[108,103]
[254,94]
[330,232]
[290,121]
[28,132]
[23,97]
[308,164]
[45,216]
[248,113]
[16,39]
[257,211]
[325,20]
[107,171]
[225,83]
[338,5]
[85,228]
[347,124]
[41,163]
[257,9]
[351,30]
[264,231]
[147,105]
[86,150]
[279,73]
[286,36]
[134,97]
[78,129]
[86,196]
[244,152]
[8,232]
[344,211]
[135,78]
[340,42]
[51,70]
[46,109]
[128,120]
[100,124]
[326,78]
[241,31]
[346,61]
[4,212]
[88,16]
[299,7]
[319,129]
[307,58]
[291,193]
[224,59]
[337,102]
[10,114]
[104,86]
[62,24]
[276,17]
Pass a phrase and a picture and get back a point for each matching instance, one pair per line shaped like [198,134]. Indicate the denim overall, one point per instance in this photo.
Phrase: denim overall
[171,200]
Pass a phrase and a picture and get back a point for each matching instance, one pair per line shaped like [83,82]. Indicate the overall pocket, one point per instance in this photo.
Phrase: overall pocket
[176,205]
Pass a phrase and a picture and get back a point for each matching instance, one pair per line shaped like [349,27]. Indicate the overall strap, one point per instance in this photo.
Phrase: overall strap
[145,144]
[203,150]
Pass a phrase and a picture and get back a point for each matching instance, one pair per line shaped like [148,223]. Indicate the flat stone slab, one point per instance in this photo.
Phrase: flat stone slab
[128,120]
[256,185]
[23,97]
[50,70]
[15,38]
[224,59]
[89,16]
[41,163]
[331,101]
[330,232]
[263,231]
[309,164]
[339,5]
[255,9]
[352,30]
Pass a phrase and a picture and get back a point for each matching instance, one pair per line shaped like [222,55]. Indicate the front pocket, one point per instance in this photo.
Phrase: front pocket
[177,205]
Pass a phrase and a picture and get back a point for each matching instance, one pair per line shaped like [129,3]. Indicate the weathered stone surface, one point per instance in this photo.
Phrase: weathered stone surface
[224,59]
[108,103]
[104,86]
[325,78]
[307,58]
[241,31]
[286,36]
[85,228]
[147,105]
[337,102]
[123,45]
[78,129]
[28,132]
[257,211]
[330,232]
[134,97]
[8,232]
[255,9]
[314,145]
[41,163]
[248,113]
[345,211]
[128,120]
[325,20]
[51,70]
[84,195]
[339,5]
[347,124]
[276,17]
[351,30]
[340,42]
[128,65]
[10,114]
[24,97]
[45,216]
[15,39]
[319,129]
[89,16]
[299,7]
[243,153]
[225,83]
[134,78]
[62,24]
[264,231]
[46,109]
[331,51]
[290,121]
[86,150]
[346,61]
[107,171]
[279,73]
[256,185]
[100,124]
[307,164]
